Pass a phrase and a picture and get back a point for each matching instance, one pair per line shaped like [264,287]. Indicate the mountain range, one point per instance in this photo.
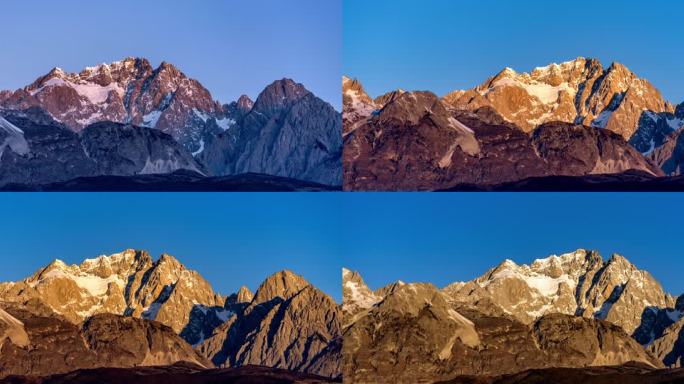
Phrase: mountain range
[575,310]
[128,118]
[128,310]
[572,119]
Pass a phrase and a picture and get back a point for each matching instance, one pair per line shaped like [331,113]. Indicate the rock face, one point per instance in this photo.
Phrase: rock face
[670,155]
[417,333]
[12,330]
[418,142]
[668,344]
[130,91]
[127,283]
[43,151]
[654,129]
[287,324]
[356,104]
[578,283]
[357,297]
[58,346]
[579,91]
[287,132]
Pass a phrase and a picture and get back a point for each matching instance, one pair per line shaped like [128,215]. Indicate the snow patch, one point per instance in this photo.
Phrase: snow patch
[150,120]
[96,93]
[225,123]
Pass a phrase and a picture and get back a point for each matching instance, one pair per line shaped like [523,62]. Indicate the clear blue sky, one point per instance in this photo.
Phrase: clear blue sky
[235,239]
[442,238]
[231,239]
[443,45]
[231,46]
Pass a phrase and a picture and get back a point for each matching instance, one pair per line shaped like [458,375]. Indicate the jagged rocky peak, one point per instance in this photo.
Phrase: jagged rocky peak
[356,295]
[352,90]
[279,95]
[283,284]
[126,283]
[126,91]
[575,283]
[242,297]
[289,324]
[418,333]
[388,97]
[579,91]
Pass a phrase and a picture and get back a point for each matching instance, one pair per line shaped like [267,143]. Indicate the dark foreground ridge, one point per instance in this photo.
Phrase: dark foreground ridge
[180,373]
[626,374]
[630,181]
[179,181]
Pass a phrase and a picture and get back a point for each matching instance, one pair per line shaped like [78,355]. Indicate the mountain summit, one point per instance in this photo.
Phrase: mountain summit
[286,324]
[574,310]
[128,91]
[95,119]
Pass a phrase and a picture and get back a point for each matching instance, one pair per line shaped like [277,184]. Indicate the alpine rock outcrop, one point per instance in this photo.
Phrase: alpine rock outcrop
[149,120]
[287,323]
[288,131]
[52,345]
[419,142]
[129,91]
[578,283]
[418,333]
[580,91]
[598,121]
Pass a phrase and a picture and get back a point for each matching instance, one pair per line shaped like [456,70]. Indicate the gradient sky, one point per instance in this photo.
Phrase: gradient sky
[443,238]
[443,45]
[234,239]
[231,239]
[231,46]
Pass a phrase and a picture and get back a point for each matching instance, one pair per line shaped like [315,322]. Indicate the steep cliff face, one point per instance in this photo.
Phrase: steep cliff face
[418,142]
[287,132]
[41,150]
[579,91]
[417,333]
[288,324]
[578,283]
[129,91]
[127,283]
[58,346]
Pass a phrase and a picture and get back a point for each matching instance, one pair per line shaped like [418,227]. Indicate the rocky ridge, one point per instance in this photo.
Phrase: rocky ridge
[579,91]
[57,346]
[286,324]
[418,142]
[417,333]
[287,131]
[572,310]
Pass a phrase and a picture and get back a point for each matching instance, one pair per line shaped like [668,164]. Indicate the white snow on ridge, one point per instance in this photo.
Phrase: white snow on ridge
[9,127]
[14,139]
[358,297]
[95,285]
[150,120]
[225,123]
[201,148]
[96,93]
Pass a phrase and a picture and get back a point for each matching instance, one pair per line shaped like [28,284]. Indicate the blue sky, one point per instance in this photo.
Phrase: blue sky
[231,46]
[231,239]
[442,238]
[443,45]
[234,239]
